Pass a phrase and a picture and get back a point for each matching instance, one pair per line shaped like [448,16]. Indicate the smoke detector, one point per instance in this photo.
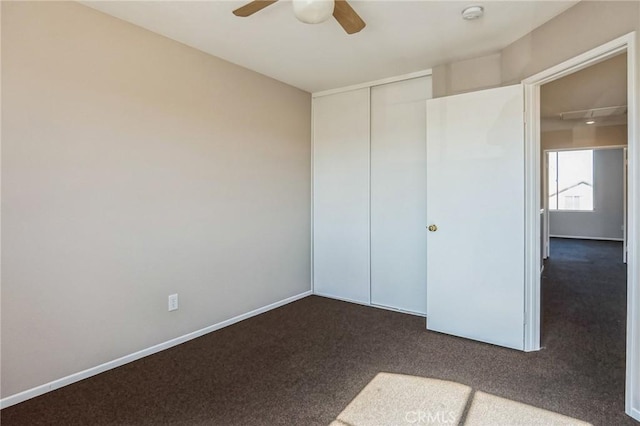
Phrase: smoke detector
[472,12]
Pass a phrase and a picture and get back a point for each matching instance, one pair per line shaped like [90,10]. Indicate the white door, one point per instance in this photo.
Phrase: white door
[625,177]
[341,195]
[475,197]
[398,195]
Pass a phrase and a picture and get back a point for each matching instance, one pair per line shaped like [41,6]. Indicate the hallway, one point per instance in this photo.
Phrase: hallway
[584,314]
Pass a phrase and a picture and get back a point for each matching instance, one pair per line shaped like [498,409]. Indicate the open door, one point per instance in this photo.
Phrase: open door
[475,213]
[625,177]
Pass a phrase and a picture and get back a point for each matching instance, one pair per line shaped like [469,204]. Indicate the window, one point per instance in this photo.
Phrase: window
[571,180]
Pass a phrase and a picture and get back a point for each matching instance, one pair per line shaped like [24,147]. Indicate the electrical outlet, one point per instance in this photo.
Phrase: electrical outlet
[173,302]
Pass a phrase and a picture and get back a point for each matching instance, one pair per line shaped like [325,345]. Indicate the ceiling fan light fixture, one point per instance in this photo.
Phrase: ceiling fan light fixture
[313,11]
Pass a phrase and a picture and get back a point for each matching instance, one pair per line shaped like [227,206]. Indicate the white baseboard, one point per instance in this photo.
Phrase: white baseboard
[635,413]
[402,311]
[573,237]
[371,305]
[76,377]
[342,299]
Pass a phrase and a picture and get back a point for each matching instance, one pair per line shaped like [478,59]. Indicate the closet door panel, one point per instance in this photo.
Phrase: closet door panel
[398,194]
[341,195]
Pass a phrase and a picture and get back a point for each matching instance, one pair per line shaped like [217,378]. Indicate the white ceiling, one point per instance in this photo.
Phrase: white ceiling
[400,37]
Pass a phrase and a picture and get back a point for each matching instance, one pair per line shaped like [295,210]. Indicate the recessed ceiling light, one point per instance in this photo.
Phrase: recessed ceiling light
[590,122]
[472,12]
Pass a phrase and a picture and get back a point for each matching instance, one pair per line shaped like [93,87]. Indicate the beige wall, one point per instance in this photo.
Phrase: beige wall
[584,137]
[467,76]
[598,86]
[584,26]
[134,167]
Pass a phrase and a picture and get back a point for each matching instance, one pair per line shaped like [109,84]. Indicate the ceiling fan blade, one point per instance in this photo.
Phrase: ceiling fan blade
[347,17]
[253,7]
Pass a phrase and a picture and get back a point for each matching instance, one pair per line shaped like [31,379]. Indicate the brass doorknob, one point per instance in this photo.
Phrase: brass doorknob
[432,228]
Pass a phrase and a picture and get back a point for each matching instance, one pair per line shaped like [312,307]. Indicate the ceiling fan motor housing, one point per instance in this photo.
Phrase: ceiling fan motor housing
[313,11]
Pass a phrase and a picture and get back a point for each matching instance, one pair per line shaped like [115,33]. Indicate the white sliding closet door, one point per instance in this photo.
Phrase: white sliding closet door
[341,195]
[398,194]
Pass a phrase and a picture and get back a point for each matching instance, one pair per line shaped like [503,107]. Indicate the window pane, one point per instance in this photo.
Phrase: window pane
[575,180]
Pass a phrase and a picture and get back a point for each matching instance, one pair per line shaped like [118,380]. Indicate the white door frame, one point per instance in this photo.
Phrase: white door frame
[626,43]
[626,203]
[545,208]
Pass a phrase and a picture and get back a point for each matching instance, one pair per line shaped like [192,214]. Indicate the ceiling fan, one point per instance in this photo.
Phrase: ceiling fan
[313,12]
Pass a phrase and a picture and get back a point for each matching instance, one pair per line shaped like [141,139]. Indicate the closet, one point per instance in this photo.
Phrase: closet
[341,195]
[369,194]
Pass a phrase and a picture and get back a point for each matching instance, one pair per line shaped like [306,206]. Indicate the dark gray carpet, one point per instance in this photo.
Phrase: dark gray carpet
[303,363]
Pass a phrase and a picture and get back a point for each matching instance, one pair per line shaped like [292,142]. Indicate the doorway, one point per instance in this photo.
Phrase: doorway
[581,115]
[583,125]
[533,220]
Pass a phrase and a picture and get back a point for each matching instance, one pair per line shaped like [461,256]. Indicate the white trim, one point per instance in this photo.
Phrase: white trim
[370,305]
[585,148]
[635,413]
[552,211]
[402,311]
[369,84]
[369,190]
[0,167]
[532,253]
[576,237]
[89,372]
[342,299]
[632,393]
[545,202]
[532,168]
[0,163]
[625,194]
[312,212]
[585,60]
